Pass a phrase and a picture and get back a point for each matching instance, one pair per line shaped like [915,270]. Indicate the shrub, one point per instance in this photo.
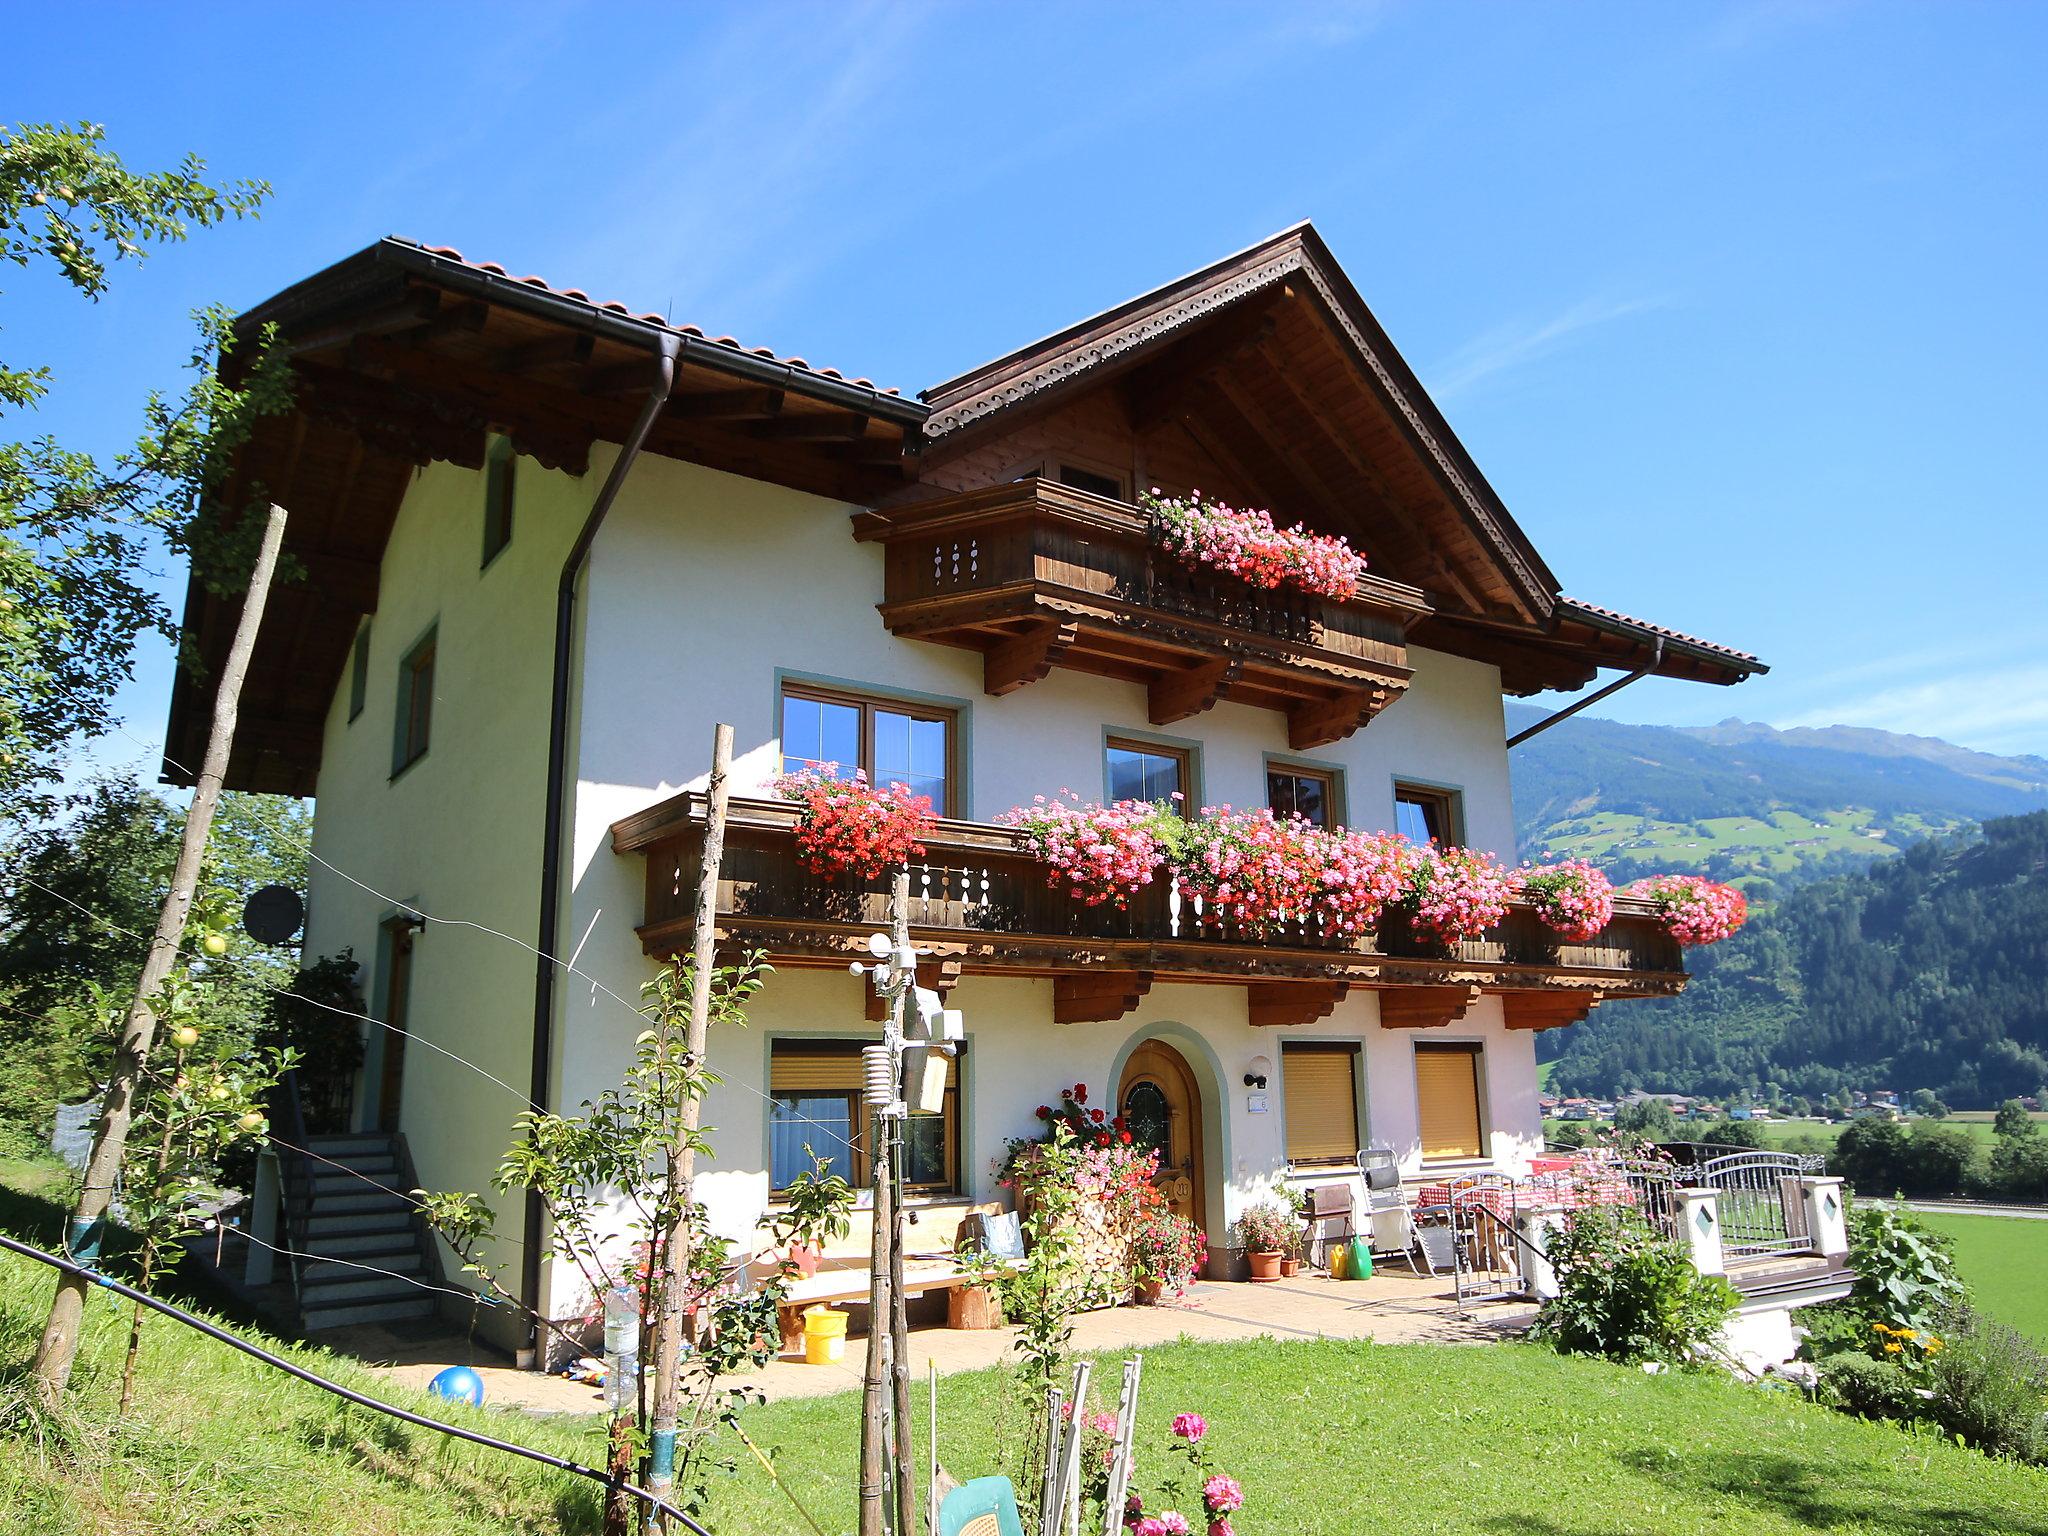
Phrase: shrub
[1990,1386]
[1267,1227]
[1871,1388]
[1905,1274]
[1629,1293]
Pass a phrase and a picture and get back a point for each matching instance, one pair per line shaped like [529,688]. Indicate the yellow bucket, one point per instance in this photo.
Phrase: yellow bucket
[824,1336]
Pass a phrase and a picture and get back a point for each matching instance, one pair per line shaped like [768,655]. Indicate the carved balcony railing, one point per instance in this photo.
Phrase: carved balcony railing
[1035,575]
[980,903]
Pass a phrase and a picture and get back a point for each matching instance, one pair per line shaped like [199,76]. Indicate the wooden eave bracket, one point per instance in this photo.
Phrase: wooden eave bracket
[1424,1007]
[1011,664]
[1279,1004]
[1547,1010]
[1330,720]
[1179,695]
[1097,996]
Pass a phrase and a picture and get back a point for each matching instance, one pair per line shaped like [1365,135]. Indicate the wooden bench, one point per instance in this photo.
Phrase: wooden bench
[836,1284]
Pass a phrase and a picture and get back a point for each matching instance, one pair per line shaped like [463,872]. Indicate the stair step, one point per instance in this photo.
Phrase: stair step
[330,1293]
[361,1198]
[318,1318]
[372,1163]
[356,1243]
[389,1218]
[357,1182]
[351,1146]
[365,1266]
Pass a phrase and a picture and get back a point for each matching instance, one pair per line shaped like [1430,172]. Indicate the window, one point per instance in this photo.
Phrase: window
[1447,1101]
[814,1096]
[498,476]
[1424,814]
[415,705]
[1321,1083]
[1082,479]
[1145,770]
[359,671]
[892,742]
[1310,793]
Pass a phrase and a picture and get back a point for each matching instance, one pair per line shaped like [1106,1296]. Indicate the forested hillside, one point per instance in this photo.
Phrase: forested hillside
[1929,970]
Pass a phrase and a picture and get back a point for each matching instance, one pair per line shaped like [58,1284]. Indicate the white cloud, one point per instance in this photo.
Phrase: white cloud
[1522,341]
[1993,709]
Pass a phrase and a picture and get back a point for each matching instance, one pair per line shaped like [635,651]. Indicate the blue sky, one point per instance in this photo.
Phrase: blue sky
[1741,308]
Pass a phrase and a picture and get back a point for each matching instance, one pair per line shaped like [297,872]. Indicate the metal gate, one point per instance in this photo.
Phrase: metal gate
[1763,1209]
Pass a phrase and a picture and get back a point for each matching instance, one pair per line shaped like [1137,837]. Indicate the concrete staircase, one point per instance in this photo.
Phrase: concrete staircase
[351,1215]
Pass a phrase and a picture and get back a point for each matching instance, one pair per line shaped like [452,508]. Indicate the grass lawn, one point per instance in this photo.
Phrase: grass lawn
[1496,1440]
[2003,1259]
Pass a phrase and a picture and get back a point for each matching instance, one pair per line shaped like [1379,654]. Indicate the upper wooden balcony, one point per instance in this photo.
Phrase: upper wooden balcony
[1034,575]
[981,904]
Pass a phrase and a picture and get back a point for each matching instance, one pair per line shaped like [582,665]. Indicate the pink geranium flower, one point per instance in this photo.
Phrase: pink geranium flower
[1190,1426]
[1220,1495]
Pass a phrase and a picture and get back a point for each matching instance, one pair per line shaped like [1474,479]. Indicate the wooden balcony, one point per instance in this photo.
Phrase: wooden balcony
[1036,575]
[981,905]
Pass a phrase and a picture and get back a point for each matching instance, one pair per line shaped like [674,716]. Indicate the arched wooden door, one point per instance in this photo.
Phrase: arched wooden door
[1162,1107]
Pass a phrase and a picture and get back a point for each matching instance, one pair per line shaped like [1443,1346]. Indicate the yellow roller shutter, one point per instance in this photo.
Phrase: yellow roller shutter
[1322,1102]
[1447,1094]
[815,1066]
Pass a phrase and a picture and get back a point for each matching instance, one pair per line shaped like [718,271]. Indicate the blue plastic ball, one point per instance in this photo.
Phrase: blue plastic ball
[459,1384]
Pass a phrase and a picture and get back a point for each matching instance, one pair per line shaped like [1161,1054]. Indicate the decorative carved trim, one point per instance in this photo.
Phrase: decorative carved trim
[1547,1010]
[1097,996]
[1328,720]
[1285,1003]
[1425,1007]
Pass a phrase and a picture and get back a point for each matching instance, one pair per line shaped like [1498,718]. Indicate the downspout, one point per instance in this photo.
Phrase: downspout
[671,346]
[1656,656]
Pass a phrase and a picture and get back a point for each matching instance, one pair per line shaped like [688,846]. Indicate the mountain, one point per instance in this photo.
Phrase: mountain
[1929,970]
[1767,808]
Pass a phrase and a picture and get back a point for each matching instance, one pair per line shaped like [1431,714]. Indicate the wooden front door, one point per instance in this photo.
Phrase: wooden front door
[1162,1106]
[397,984]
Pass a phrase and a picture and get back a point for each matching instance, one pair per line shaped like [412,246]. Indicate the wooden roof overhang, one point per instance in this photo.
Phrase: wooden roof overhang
[1034,574]
[1272,364]
[981,905]
[404,355]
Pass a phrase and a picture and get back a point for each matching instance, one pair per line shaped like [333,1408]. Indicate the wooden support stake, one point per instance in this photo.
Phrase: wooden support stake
[59,1346]
[682,1168]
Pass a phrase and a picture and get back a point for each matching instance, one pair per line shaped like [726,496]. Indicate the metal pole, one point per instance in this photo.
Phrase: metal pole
[879,1470]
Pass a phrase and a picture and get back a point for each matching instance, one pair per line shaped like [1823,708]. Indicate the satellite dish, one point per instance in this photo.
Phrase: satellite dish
[273,915]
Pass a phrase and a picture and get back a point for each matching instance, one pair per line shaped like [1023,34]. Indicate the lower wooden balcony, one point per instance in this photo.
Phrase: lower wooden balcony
[981,905]
[1036,575]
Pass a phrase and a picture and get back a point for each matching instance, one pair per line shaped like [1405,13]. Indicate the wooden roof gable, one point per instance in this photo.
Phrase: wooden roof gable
[1272,361]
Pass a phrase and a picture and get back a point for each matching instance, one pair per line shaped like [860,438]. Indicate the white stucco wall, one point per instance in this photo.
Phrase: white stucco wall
[703,589]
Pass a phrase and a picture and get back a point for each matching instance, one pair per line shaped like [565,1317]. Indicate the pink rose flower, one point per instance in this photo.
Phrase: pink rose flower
[1190,1426]
[1222,1494]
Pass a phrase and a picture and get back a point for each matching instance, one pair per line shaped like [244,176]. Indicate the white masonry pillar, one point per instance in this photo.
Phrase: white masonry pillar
[1699,1215]
[1539,1276]
[1827,1216]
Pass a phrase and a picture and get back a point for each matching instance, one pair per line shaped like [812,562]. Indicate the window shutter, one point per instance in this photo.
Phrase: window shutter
[1322,1102]
[1447,1092]
[824,1066]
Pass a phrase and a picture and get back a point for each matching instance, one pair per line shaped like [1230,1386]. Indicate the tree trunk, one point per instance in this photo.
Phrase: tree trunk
[59,1346]
[675,1243]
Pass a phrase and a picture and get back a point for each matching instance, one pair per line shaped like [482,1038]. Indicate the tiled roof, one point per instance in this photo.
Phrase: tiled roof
[449,253]
[1572,605]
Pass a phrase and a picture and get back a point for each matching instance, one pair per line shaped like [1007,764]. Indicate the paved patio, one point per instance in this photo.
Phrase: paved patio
[1389,1308]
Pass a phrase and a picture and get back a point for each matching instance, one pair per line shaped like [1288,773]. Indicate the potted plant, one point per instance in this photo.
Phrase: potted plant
[1296,1202]
[975,1302]
[816,1209]
[1264,1231]
[1167,1252]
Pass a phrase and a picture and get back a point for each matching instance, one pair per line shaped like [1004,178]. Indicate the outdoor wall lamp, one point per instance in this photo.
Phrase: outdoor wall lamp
[1257,1072]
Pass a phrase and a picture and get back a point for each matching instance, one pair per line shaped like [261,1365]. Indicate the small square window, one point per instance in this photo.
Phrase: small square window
[415,705]
[499,473]
[1145,770]
[1425,814]
[817,1108]
[1310,793]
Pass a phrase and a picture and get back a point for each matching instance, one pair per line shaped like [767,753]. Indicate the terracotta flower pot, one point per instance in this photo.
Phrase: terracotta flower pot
[973,1306]
[1290,1266]
[1265,1266]
[1147,1292]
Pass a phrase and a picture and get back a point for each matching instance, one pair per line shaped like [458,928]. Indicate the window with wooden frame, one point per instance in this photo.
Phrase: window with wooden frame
[890,740]
[1149,771]
[1082,473]
[815,1100]
[1295,790]
[1424,813]
[1320,1081]
[1447,1101]
[359,671]
[499,474]
[415,704]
